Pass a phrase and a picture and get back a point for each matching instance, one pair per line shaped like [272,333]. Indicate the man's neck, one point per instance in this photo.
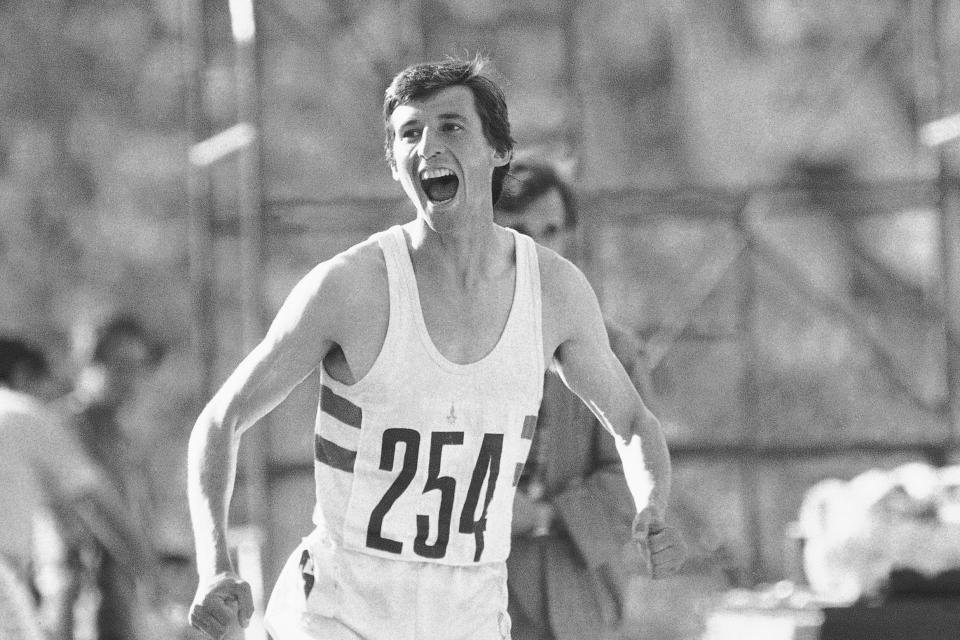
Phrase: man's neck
[468,254]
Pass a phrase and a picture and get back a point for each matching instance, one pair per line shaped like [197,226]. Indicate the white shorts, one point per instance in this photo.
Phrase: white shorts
[358,596]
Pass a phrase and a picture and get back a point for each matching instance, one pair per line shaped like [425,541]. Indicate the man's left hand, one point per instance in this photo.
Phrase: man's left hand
[661,545]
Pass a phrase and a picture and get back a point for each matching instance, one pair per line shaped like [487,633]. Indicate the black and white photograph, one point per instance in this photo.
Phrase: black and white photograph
[479,320]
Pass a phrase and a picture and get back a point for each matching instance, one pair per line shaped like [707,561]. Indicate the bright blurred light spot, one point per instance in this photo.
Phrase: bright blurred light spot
[906,242]
[750,626]
[241,20]
[222,144]
[941,131]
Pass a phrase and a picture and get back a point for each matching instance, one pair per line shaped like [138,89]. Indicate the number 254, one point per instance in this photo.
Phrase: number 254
[488,462]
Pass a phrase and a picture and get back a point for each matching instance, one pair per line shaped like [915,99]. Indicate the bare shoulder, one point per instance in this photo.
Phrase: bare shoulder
[569,304]
[349,280]
[562,283]
[339,304]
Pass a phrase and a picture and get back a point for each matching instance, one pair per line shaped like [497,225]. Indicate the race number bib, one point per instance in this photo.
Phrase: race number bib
[442,496]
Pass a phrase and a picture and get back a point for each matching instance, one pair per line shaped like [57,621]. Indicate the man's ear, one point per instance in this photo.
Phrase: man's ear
[501,158]
[393,171]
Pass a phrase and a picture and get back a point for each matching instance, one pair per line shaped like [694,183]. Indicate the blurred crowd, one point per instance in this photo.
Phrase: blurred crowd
[79,558]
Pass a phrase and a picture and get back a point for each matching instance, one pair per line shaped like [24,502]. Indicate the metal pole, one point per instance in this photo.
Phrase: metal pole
[949,210]
[750,467]
[248,169]
[200,240]
[255,453]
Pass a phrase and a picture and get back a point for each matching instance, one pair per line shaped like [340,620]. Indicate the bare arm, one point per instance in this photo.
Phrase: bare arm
[598,511]
[295,344]
[589,367]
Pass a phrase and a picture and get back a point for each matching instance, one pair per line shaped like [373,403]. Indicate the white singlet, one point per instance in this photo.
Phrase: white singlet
[416,468]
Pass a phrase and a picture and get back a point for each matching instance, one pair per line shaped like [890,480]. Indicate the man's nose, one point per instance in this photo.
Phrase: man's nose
[429,143]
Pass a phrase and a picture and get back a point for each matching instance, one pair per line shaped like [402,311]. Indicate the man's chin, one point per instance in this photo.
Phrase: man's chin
[440,219]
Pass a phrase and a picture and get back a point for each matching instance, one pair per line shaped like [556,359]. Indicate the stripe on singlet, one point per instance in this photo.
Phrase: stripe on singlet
[529,426]
[340,408]
[332,454]
[517,472]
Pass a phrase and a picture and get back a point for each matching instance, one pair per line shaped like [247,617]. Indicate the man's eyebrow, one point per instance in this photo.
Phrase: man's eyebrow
[416,120]
[408,122]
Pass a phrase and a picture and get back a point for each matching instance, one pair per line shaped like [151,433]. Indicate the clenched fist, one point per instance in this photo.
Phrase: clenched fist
[660,544]
[222,607]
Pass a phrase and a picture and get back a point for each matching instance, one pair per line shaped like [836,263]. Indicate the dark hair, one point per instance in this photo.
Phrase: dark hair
[421,80]
[530,179]
[110,332]
[16,353]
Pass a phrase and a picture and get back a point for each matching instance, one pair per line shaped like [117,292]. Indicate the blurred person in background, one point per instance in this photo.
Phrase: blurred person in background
[42,465]
[114,361]
[568,568]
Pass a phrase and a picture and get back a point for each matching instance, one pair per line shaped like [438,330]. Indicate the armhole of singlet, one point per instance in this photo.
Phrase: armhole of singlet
[386,240]
[530,262]
[391,242]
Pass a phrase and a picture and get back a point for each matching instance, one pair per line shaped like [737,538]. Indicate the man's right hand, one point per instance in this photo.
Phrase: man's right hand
[222,606]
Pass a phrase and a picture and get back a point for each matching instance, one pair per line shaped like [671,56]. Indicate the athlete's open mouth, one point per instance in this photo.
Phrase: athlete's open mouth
[440,185]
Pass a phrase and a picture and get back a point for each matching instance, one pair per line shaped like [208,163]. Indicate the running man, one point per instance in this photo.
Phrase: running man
[432,339]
